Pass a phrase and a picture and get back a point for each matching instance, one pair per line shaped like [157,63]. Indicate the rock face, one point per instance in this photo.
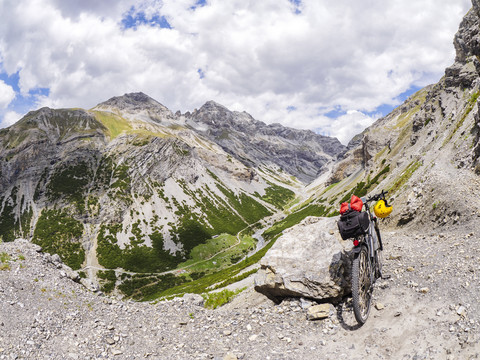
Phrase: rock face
[310,260]
[298,152]
[466,69]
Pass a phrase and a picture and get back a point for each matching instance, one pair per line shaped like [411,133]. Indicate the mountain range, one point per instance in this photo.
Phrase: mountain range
[132,187]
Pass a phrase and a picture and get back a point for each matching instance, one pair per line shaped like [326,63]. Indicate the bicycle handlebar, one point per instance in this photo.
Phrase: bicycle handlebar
[375,197]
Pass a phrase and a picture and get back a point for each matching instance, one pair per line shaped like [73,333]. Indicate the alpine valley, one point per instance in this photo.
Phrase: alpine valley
[131,186]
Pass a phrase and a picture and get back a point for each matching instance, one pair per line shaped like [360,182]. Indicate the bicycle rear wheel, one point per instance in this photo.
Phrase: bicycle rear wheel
[362,286]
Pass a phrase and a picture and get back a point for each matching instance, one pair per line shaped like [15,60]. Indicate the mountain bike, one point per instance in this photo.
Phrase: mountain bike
[367,262]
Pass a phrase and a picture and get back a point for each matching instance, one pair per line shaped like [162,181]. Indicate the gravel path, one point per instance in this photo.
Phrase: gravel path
[427,309]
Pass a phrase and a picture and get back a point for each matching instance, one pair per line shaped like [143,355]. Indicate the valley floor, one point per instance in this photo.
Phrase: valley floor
[428,308]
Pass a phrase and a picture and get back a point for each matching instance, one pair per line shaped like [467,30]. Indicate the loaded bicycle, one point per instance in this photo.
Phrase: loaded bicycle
[362,228]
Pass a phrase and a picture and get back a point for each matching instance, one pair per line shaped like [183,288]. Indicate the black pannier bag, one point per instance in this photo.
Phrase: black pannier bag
[353,224]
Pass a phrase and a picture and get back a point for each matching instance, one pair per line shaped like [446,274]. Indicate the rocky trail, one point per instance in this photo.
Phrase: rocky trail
[426,308]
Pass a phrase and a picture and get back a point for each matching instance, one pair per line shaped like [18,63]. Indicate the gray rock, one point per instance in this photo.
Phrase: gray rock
[310,260]
[71,274]
[305,304]
[89,284]
[56,259]
[230,356]
[319,312]
[194,299]
[462,311]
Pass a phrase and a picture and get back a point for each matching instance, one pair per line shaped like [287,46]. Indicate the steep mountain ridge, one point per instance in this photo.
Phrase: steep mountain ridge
[302,153]
[130,185]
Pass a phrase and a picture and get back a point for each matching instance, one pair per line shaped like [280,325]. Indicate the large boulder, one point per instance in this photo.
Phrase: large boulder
[309,260]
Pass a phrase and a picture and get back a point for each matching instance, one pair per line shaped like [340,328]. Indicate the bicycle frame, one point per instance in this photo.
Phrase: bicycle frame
[372,233]
[370,239]
[366,263]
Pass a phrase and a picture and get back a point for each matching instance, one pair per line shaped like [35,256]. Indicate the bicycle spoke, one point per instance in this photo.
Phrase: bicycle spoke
[362,286]
[365,284]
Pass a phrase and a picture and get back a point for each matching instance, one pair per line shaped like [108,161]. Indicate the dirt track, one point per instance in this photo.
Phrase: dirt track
[427,309]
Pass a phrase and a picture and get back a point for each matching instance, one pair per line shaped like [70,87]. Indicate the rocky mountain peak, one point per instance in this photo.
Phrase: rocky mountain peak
[212,106]
[58,122]
[135,102]
[212,113]
[301,153]
[130,100]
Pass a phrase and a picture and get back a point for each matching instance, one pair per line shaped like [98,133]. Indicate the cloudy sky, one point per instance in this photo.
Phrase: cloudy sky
[330,66]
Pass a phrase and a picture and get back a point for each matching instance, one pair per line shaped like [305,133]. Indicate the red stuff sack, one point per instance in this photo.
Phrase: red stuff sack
[353,222]
[355,204]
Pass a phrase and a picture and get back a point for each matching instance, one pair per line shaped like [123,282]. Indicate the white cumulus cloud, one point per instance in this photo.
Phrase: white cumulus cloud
[7,94]
[265,57]
[10,118]
[348,125]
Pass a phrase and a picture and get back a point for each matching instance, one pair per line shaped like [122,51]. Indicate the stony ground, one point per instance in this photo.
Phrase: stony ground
[427,308]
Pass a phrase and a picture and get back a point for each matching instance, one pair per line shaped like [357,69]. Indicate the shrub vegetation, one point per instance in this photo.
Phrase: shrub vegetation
[58,233]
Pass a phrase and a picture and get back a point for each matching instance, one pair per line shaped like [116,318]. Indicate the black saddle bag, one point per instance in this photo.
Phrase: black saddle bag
[353,224]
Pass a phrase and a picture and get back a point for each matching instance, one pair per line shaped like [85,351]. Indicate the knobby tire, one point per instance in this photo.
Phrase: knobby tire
[362,286]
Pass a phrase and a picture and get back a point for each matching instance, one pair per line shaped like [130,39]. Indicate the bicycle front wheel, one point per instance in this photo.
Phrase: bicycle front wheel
[362,286]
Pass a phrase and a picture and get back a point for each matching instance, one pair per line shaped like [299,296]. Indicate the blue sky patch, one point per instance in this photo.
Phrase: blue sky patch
[335,113]
[22,103]
[199,3]
[297,4]
[133,18]
[386,109]
[291,108]
[381,110]
[406,94]
[201,73]
[11,80]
